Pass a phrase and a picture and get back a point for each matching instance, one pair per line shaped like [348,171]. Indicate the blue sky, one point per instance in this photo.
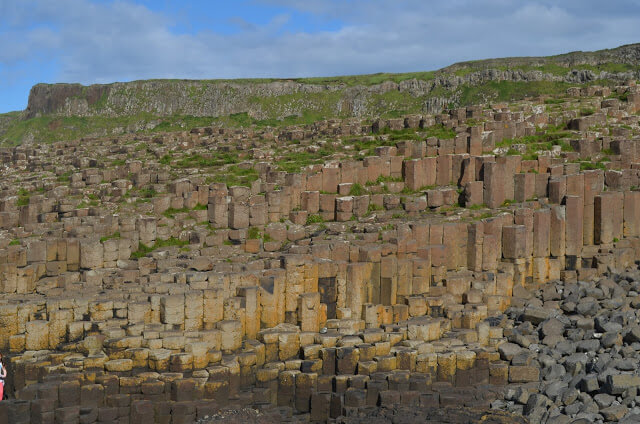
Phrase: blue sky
[102,41]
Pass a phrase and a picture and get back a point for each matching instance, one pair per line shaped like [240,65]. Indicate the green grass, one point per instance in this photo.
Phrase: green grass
[550,67]
[388,137]
[23,197]
[395,104]
[504,91]
[115,235]
[166,159]
[213,159]
[314,219]
[14,242]
[51,128]
[388,179]
[235,176]
[476,207]
[293,108]
[553,136]
[554,101]
[368,146]
[357,190]
[253,233]
[147,192]
[407,190]
[438,130]
[369,79]
[243,119]
[293,162]
[90,203]
[297,108]
[171,212]
[144,250]
[64,177]
[586,166]
[587,111]
[22,201]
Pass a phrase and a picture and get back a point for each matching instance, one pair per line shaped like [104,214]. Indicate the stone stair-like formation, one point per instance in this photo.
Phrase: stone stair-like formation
[140,284]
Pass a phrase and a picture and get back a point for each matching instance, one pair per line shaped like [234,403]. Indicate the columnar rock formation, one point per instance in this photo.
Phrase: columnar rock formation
[138,286]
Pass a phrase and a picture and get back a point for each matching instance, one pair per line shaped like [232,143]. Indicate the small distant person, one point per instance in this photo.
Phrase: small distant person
[3,375]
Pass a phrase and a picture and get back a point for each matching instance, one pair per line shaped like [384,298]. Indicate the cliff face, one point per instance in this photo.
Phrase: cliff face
[160,97]
[209,98]
[278,99]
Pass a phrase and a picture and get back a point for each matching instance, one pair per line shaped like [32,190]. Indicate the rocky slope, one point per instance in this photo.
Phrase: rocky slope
[281,98]
[70,111]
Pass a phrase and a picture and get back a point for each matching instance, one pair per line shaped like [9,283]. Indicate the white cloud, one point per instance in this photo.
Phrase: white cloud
[108,41]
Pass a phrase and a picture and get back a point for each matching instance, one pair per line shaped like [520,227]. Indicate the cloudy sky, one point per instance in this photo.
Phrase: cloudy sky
[102,41]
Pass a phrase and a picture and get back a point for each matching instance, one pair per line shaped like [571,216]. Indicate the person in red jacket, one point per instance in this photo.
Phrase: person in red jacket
[3,375]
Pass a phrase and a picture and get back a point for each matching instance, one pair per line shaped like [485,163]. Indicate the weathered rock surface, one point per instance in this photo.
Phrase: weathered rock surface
[329,271]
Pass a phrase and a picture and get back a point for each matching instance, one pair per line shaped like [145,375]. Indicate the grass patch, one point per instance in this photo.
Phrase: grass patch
[147,192]
[235,176]
[504,91]
[23,197]
[171,212]
[369,79]
[357,190]
[587,111]
[440,131]
[207,160]
[403,134]
[22,201]
[476,207]
[52,128]
[554,101]
[65,177]
[293,162]
[387,179]
[314,219]
[554,136]
[166,159]
[144,250]
[588,166]
[115,235]
[253,233]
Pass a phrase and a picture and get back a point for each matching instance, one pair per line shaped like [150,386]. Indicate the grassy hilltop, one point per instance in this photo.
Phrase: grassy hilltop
[67,111]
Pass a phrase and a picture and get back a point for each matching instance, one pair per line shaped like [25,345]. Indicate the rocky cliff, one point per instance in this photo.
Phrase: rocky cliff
[281,98]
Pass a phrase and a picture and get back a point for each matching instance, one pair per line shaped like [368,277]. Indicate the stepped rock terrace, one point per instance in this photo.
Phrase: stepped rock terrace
[314,271]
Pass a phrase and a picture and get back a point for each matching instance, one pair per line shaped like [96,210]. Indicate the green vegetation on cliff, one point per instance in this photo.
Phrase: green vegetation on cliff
[70,111]
[289,109]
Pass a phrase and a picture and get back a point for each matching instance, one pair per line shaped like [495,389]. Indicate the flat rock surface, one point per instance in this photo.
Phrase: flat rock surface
[378,415]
